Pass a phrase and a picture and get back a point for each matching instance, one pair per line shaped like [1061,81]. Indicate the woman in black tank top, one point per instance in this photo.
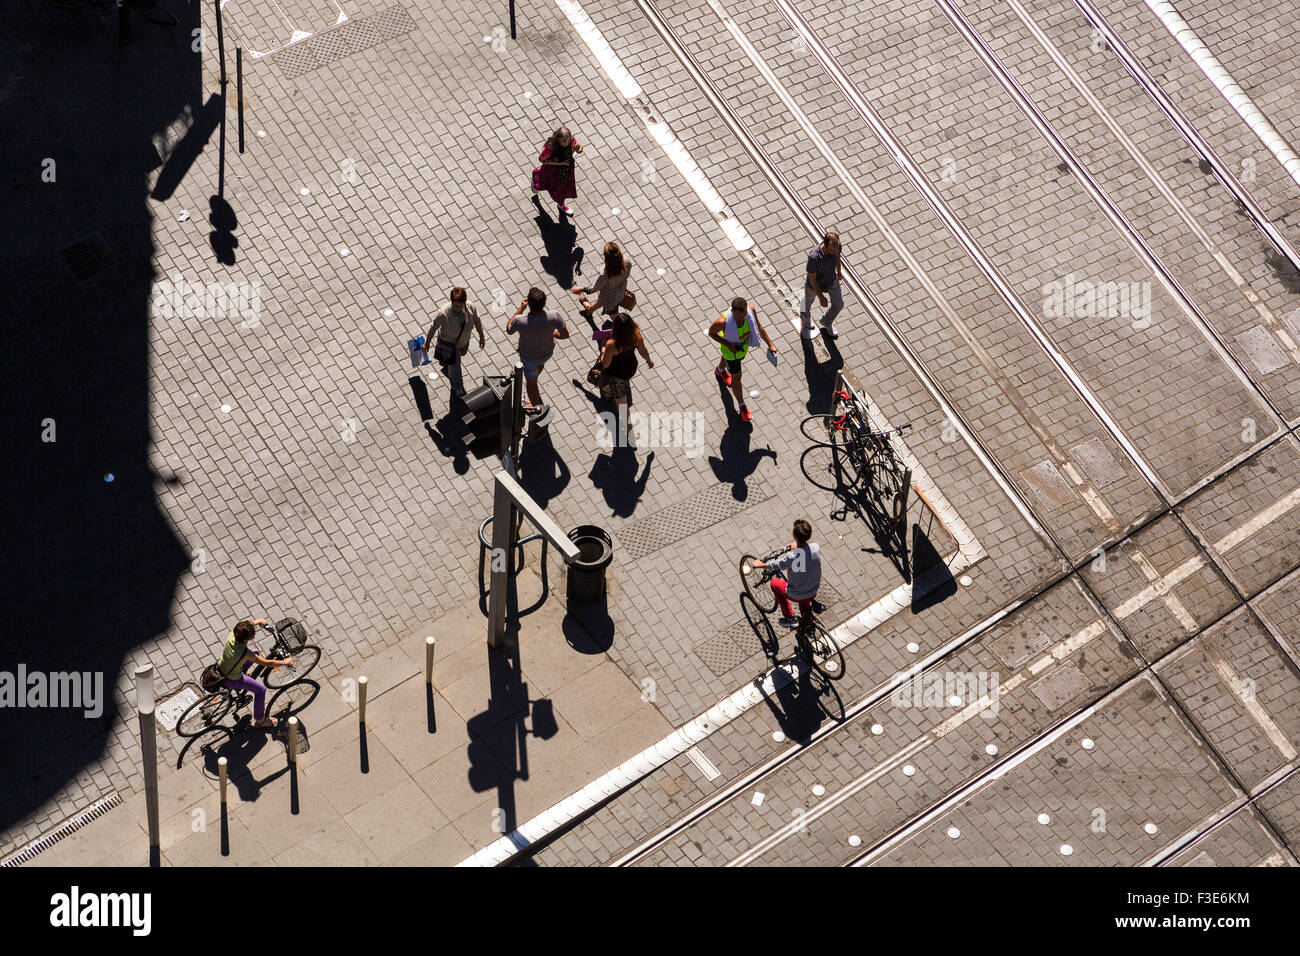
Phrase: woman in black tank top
[618,358]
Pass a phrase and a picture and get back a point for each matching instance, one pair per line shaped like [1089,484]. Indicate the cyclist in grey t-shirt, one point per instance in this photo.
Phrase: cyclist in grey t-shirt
[802,566]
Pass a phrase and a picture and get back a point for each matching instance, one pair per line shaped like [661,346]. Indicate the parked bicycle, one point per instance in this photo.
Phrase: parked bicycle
[148,9]
[815,642]
[862,458]
[217,701]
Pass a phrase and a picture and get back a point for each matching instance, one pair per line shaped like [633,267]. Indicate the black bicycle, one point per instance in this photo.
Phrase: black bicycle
[862,459]
[821,649]
[215,703]
[148,9]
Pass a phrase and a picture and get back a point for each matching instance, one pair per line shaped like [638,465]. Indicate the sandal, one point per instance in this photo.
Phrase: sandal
[265,723]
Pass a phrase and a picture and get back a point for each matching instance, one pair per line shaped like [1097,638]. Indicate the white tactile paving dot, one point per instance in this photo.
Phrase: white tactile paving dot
[913,647]
[953,833]
[1151,828]
[991,750]
[753,393]
[855,840]
[908,770]
[261,134]
[965,580]
[660,271]
[1066,849]
[778,736]
[1087,743]
[304,191]
[344,251]
[389,313]
[877,729]
[1044,819]
[818,790]
[616,211]
[225,409]
[954,701]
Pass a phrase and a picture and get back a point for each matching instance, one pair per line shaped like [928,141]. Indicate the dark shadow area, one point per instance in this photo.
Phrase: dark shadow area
[1283,270]
[225,831]
[820,376]
[205,120]
[542,472]
[562,259]
[90,561]
[934,583]
[587,626]
[448,435]
[430,709]
[615,475]
[291,701]
[363,748]
[223,220]
[420,392]
[294,806]
[735,460]
[240,750]
[796,705]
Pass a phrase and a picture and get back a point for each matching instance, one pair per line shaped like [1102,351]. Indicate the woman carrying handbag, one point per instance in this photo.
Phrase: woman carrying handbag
[556,174]
[610,287]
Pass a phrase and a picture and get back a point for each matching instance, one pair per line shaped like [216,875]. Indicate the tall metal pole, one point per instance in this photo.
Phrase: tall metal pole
[239,92]
[512,19]
[144,697]
[503,532]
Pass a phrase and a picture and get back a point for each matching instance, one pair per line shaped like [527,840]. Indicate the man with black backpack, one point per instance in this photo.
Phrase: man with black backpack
[450,335]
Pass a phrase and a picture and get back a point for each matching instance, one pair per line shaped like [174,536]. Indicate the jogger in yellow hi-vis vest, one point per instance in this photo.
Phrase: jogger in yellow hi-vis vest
[734,333]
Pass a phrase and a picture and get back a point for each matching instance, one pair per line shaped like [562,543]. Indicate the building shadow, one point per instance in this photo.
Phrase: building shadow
[91,561]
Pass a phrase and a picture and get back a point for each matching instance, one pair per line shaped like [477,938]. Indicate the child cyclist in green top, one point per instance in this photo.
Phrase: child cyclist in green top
[237,657]
[734,333]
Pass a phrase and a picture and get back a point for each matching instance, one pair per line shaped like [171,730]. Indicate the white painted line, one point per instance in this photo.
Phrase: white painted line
[1270,514]
[1246,697]
[704,764]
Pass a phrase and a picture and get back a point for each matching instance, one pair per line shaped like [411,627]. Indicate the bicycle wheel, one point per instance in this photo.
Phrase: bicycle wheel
[304,659]
[208,711]
[755,581]
[831,468]
[891,484]
[818,429]
[150,10]
[824,651]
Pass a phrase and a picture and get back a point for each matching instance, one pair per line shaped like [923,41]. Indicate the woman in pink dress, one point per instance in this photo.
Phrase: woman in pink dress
[555,175]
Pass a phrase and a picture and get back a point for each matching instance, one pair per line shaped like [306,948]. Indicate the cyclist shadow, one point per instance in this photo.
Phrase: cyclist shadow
[800,699]
[240,747]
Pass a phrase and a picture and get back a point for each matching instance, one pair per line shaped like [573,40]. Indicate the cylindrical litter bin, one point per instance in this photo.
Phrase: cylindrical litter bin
[587,572]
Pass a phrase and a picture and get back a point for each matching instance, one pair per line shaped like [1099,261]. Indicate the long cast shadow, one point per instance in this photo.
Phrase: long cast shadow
[91,562]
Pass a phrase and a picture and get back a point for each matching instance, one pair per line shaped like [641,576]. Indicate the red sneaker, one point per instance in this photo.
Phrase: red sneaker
[744,413]
[723,374]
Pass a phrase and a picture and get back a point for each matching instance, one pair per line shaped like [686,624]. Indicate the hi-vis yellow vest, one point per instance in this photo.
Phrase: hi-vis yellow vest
[742,333]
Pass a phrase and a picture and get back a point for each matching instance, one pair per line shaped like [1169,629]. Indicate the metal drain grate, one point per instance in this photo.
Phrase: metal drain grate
[347,38]
[1046,482]
[721,654]
[85,258]
[1021,642]
[1262,349]
[47,840]
[1095,458]
[684,519]
[1062,685]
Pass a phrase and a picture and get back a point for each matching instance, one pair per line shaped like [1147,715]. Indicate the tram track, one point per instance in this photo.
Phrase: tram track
[863,705]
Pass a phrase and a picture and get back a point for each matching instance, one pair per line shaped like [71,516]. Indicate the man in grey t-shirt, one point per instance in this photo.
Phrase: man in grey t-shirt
[537,330]
[822,280]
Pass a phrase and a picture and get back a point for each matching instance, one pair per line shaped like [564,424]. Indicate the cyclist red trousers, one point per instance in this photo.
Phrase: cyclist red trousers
[778,588]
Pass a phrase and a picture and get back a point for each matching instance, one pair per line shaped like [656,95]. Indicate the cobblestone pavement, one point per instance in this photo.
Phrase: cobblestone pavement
[388,160]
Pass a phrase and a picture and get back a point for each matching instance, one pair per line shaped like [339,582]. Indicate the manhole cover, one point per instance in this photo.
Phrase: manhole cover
[1095,458]
[168,711]
[1262,349]
[1046,482]
[1060,686]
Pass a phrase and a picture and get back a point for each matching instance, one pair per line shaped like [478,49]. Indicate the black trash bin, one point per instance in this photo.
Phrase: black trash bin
[587,572]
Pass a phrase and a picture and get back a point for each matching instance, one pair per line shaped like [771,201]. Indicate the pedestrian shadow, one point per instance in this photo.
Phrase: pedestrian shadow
[614,474]
[563,257]
[820,377]
[542,472]
[735,460]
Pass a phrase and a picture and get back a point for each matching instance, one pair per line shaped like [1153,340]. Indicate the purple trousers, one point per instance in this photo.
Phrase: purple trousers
[244,682]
